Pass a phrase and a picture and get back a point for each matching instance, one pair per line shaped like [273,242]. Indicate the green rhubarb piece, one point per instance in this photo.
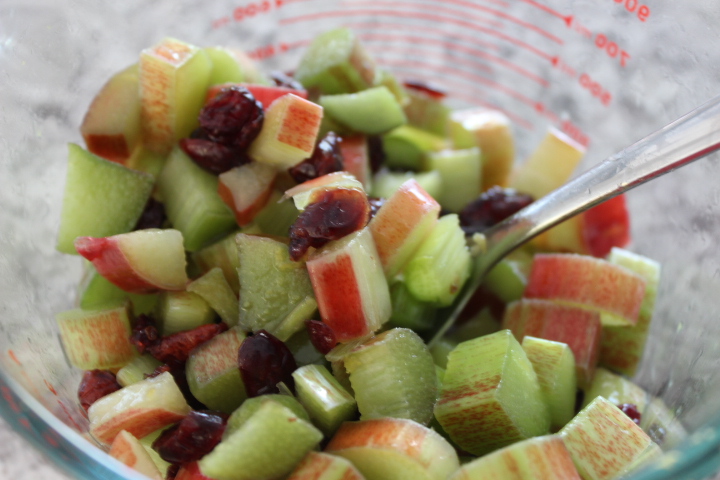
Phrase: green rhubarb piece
[101,199]
[460,172]
[554,364]
[212,372]
[387,182]
[223,255]
[147,442]
[386,78]
[250,406]
[441,350]
[439,268]
[276,217]
[97,292]
[409,312]
[323,466]
[603,441]
[539,458]
[182,311]
[507,280]
[327,402]
[373,111]
[271,284]
[268,445]
[225,67]
[137,369]
[393,375]
[621,348]
[427,113]
[192,202]
[336,62]
[342,376]
[146,161]
[215,290]
[406,146]
[481,324]
[491,396]
[295,320]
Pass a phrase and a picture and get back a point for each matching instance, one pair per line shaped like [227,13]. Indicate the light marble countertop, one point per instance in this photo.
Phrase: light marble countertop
[20,461]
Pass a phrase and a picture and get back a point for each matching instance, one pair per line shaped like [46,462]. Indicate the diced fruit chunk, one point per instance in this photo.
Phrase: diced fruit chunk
[356,159]
[372,111]
[140,409]
[111,127]
[182,311]
[327,402]
[537,458]
[393,448]
[222,254]
[387,182]
[248,408]
[272,441]
[173,79]
[350,287]
[101,198]
[130,451]
[97,292]
[490,395]
[137,369]
[306,192]
[603,441]
[192,202]
[460,173]
[246,189]
[586,282]
[288,133]
[322,466]
[143,261]
[393,375]
[336,62]
[550,165]
[441,265]
[406,146]
[216,291]
[96,339]
[401,225]
[579,329]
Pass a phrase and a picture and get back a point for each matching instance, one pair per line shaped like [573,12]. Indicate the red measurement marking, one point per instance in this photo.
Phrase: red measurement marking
[266,51]
[499,3]
[247,11]
[69,416]
[633,6]
[582,30]
[51,439]
[612,49]
[565,68]
[10,399]
[403,26]
[410,40]
[50,387]
[13,357]
[566,18]
[433,8]
[595,89]
[575,132]
[464,13]
[25,423]
[437,19]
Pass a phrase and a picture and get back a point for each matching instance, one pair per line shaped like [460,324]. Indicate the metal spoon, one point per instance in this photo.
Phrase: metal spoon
[687,139]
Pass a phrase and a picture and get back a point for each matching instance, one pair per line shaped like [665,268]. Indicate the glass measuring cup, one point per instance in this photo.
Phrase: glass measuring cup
[605,72]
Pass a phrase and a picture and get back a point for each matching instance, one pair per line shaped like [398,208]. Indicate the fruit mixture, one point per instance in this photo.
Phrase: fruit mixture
[266,256]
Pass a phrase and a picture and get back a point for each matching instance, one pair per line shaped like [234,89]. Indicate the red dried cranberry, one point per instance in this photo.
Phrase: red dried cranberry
[265,361]
[376,153]
[153,215]
[282,79]
[429,90]
[233,118]
[212,156]
[326,158]
[375,204]
[191,439]
[334,214]
[158,371]
[481,299]
[172,472]
[96,384]
[321,335]
[144,334]
[175,349]
[631,410]
[492,207]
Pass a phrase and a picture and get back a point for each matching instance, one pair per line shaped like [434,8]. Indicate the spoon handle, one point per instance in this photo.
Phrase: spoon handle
[687,139]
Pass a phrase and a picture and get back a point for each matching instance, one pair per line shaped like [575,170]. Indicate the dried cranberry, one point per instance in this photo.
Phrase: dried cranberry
[233,118]
[158,371]
[326,158]
[212,156]
[191,439]
[175,349]
[482,298]
[429,90]
[144,334]
[376,153]
[492,207]
[265,361]
[375,204]
[153,216]
[321,335]
[172,472]
[334,214]
[282,79]
[631,410]
[96,384]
